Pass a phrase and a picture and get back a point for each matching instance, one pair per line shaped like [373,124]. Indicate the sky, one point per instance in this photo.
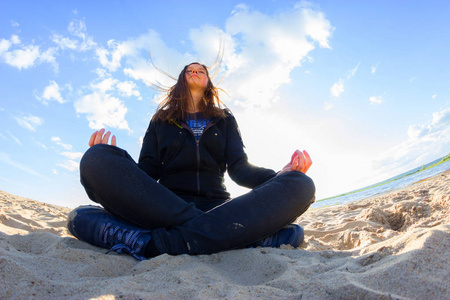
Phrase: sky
[363,86]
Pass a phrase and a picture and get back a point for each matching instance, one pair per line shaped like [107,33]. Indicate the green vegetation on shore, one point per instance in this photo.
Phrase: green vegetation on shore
[443,160]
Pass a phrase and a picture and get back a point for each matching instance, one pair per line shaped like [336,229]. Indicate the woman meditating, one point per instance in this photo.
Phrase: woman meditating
[174,199]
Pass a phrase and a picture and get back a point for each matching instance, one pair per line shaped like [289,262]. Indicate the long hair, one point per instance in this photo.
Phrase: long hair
[175,104]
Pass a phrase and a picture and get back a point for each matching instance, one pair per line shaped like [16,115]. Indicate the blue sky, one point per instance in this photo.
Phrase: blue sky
[364,86]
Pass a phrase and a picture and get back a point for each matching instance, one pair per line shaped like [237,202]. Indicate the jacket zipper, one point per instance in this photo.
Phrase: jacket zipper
[198,165]
[198,150]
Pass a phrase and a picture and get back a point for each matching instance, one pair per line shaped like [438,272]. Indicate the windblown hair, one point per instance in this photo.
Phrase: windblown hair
[175,104]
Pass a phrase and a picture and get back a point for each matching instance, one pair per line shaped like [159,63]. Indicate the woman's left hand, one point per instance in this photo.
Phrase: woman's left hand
[98,138]
[300,162]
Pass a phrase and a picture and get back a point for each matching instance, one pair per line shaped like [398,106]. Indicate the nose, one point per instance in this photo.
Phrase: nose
[195,71]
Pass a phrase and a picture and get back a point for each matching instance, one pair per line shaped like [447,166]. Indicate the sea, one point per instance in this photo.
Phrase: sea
[400,181]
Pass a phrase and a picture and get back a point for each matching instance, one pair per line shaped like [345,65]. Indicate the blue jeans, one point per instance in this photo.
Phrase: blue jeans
[188,226]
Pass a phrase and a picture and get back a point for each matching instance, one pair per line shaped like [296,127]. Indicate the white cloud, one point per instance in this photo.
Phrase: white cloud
[58,141]
[260,51]
[111,59]
[72,155]
[116,56]
[136,54]
[51,93]
[25,56]
[78,29]
[316,26]
[41,145]
[15,139]
[125,88]
[375,100]
[434,96]
[12,137]
[128,88]
[374,68]
[101,72]
[105,85]
[432,139]
[29,122]
[6,44]
[48,56]
[337,89]
[15,39]
[328,105]
[70,165]
[207,41]
[22,58]
[353,71]
[64,42]
[102,110]
[441,118]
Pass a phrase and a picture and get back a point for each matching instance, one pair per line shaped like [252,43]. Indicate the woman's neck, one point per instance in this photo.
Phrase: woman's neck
[196,98]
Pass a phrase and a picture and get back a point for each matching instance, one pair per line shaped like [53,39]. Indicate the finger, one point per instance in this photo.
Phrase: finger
[113,140]
[293,157]
[301,162]
[91,140]
[106,137]
[308,159]
[98,138]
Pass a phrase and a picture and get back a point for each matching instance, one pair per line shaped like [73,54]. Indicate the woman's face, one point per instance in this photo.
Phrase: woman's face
[196,77]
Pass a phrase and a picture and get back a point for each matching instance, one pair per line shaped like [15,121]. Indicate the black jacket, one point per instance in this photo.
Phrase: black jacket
[171,154]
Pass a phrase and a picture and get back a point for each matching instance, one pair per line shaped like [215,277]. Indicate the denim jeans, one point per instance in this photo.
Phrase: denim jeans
[179,226]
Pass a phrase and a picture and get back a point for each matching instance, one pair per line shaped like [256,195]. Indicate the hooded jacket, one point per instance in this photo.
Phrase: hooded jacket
[171,155]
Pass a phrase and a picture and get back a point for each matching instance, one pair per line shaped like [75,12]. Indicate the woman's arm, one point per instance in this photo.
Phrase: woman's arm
[239,169]
[148,158]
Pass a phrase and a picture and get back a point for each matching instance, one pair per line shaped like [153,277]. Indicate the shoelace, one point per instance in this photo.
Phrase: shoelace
[267,242]
[122,240]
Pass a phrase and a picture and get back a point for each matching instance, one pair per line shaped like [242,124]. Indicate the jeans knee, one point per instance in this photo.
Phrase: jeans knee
[95,158]
[99,156]
[90,157]
[304,186]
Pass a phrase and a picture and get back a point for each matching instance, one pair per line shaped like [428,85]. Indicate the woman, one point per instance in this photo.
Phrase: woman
[174,201]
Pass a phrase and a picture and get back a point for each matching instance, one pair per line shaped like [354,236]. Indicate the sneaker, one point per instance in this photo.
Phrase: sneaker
[292,234]
[94,225]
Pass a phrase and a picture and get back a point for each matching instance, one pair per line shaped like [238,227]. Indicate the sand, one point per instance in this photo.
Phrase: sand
[392,246]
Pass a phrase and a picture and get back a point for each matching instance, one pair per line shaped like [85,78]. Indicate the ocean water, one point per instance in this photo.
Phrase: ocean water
[403,180]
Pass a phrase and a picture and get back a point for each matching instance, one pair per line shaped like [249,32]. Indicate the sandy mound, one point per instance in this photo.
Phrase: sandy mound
[394,246]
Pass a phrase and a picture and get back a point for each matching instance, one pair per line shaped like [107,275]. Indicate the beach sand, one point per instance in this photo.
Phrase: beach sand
[392,246]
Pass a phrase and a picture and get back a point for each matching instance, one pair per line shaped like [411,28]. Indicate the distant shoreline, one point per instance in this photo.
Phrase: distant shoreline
[403,175]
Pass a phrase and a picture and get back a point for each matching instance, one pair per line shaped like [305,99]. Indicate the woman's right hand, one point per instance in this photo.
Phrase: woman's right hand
[300,161]
[98,138]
